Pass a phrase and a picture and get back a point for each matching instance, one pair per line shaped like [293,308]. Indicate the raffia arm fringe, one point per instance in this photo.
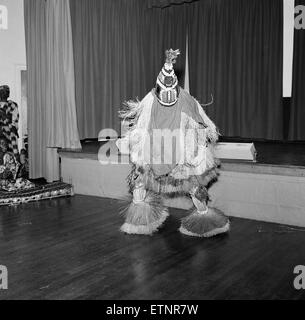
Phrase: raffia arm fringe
[212,131]
[205,225]
[130,110]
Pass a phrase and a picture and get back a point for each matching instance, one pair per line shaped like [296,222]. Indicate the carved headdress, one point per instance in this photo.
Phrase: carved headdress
[167,89]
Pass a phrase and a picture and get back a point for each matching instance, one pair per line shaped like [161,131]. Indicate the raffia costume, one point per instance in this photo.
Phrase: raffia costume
[184,167]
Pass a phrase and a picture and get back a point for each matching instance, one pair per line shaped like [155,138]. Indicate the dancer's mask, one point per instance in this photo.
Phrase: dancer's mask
[167,90]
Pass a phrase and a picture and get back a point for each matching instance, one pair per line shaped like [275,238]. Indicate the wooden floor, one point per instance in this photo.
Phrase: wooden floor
[71,249]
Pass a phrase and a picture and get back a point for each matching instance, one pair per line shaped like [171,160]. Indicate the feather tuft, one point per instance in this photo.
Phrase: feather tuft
[171,56]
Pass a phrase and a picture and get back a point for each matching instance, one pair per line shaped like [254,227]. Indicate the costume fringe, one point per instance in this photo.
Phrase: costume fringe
[209,103]
[130,110]
[137,115]
[208,178]
[145,217]
[205,225]
[169,186]
[212,131]
[131,178]
[201,194]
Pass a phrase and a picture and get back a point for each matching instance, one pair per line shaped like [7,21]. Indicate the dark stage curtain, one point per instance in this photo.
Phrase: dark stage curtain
[297,117]
[164,28]
[119,50]
[108,61]
[235,53]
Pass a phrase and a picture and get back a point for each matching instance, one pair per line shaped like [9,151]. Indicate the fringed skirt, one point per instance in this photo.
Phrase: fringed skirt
[167,185]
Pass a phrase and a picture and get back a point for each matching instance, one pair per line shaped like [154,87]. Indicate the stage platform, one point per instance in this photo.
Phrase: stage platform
[271,189]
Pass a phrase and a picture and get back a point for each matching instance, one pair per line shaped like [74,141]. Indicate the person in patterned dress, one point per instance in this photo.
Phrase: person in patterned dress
[9,117]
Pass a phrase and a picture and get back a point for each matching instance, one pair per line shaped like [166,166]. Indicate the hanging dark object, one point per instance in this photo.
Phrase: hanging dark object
[166,3]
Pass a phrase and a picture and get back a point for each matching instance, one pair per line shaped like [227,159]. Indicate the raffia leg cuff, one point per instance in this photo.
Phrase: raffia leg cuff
[145,217]
[205,224]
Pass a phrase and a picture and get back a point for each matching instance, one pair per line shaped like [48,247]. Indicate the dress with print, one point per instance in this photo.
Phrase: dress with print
[9,124]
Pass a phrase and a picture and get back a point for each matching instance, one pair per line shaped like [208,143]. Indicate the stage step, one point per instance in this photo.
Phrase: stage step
[260,192]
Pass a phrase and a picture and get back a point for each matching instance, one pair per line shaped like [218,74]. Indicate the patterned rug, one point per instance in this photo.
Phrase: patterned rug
[36,193]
